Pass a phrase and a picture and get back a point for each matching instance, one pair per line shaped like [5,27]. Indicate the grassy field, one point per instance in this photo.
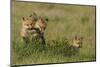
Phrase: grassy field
[65,21]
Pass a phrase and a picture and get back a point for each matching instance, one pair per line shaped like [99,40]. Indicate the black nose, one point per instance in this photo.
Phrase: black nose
[30,28]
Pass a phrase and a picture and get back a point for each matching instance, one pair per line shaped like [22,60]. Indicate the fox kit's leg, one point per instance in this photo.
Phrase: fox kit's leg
[38,37]
[42,38]
[25,39]
[24,36]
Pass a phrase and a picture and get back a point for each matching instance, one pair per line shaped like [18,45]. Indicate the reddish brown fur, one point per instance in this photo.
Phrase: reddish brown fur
[41,24]
[77,41]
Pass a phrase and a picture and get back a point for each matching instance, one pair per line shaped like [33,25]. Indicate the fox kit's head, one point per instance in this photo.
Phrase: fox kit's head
[77,41]
[27,23]
[41,24]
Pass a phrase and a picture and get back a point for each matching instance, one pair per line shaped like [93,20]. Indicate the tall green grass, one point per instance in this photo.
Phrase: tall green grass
[65,21]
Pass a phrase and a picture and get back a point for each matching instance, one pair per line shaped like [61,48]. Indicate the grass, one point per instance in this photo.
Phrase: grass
[65,21]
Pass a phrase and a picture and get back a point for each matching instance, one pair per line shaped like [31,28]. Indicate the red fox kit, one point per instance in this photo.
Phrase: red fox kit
[41,24]
[27,28]
[77,41]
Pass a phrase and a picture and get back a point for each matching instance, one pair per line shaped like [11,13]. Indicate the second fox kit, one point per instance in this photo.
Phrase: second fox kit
[77,42]
[33,26]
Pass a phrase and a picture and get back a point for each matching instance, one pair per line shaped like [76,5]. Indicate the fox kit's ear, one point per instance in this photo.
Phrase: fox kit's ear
[34,13]
[33,16]
[40,18]
[30,15]
[75,37]
[23,18]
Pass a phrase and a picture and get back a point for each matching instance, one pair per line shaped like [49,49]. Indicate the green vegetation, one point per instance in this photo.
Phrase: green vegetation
[65,21]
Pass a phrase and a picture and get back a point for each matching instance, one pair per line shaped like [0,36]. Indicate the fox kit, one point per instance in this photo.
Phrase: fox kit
[41,26]
[77,42]
[27,28]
